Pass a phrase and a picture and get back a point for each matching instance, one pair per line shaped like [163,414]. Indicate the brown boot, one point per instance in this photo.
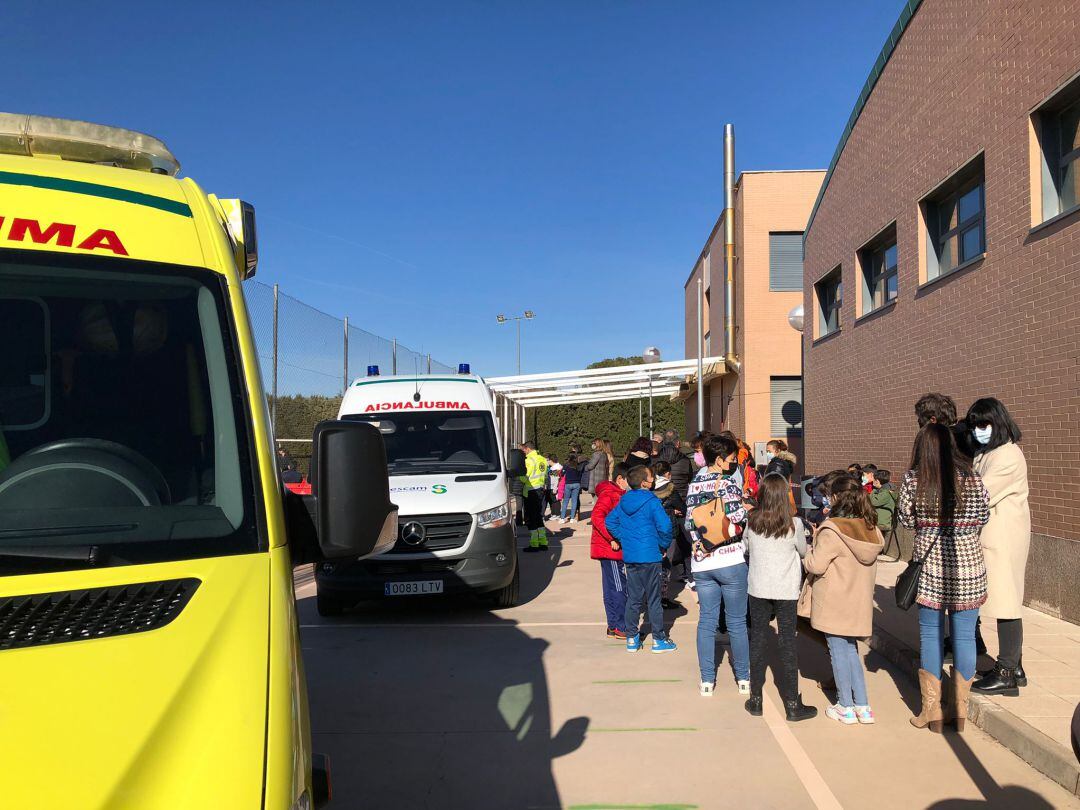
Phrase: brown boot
[961,689]
[931,714]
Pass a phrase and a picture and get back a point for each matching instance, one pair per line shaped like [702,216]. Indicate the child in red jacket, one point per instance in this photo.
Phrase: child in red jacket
[607,550]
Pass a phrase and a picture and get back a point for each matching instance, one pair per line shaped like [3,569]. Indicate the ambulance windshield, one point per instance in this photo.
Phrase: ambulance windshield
[425,442]
[120,422]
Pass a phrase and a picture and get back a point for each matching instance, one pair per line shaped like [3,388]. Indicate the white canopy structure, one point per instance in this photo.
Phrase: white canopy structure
[667,379]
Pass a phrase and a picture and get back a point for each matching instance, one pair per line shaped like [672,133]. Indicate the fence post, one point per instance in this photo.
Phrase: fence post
[273,387]
[345,383]
[395,357]
[429,364]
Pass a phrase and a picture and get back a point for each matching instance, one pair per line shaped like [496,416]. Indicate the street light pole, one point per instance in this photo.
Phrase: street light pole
[650,355]
[796,321]
[527,316]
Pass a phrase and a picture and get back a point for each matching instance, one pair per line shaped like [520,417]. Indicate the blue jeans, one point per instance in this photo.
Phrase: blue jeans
[932,640]
[730,584]
[848,671]
[571,493]
[643,592]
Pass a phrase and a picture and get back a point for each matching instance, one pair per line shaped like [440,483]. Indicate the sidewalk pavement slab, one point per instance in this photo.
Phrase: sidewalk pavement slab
[1036,725]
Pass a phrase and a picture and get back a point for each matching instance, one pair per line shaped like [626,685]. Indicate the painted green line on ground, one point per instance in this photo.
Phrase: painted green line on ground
[613,730]
[645,680]
[633,807]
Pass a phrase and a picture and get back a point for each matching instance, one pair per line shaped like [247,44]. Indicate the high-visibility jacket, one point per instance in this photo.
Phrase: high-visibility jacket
[536,470]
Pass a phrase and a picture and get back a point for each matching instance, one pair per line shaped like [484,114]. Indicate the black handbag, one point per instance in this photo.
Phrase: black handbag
[907,584]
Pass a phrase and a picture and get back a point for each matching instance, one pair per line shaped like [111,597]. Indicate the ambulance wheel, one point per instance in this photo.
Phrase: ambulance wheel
[508,597]
[328,606]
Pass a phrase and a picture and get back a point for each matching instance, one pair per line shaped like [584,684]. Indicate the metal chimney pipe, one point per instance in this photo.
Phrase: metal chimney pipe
[730,358]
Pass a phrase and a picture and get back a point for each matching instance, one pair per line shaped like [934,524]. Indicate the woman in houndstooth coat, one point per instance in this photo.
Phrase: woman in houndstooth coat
[946,504]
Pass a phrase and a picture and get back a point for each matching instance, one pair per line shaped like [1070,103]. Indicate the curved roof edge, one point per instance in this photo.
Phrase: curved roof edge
[906,14]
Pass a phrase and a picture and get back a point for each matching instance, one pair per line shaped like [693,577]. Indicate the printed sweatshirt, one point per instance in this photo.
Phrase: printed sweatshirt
[706,486]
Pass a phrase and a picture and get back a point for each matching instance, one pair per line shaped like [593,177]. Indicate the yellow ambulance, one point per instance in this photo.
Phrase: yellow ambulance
[149,645]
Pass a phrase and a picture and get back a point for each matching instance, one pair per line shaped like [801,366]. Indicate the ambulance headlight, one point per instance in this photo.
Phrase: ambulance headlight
[493,518]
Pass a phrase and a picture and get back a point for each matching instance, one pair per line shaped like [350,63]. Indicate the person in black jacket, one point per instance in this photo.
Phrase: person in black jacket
[779,459]
[681,470]
[675,506]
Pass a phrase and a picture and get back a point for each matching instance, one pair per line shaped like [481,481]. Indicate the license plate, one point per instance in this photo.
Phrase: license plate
[414,588]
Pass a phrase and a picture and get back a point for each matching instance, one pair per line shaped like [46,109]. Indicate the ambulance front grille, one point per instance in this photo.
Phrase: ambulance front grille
[441,532]
[54,618]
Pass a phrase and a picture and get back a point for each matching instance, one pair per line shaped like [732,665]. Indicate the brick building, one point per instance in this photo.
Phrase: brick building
[943,254]
[764,400]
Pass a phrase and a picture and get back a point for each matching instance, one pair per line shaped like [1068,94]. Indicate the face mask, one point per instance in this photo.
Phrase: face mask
[825,502]
[699,459]
[661,482]
[866,479]
[982,435]
[769,457]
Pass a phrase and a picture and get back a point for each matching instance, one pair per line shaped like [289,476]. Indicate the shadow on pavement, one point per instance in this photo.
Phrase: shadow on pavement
[422,715]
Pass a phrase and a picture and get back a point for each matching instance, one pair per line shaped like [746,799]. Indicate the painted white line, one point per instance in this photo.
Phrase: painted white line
[508,624]
[820,794]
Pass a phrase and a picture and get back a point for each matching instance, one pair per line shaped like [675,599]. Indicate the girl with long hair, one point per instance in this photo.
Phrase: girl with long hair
[606,446]
[775,542]
[945,502]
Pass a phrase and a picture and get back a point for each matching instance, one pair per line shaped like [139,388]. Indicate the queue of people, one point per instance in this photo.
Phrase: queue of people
[733,529]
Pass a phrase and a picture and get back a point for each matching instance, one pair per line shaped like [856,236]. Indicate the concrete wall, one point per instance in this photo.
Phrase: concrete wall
[961,82]
[768,346]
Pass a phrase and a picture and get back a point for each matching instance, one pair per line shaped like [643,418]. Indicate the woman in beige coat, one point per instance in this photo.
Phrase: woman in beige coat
[842,563]
[1006,539]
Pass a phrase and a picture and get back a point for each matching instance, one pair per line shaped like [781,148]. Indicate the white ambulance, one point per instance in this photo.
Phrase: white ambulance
[449,478]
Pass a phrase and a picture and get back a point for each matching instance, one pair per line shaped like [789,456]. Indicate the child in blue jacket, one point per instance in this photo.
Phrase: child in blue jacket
[643,529]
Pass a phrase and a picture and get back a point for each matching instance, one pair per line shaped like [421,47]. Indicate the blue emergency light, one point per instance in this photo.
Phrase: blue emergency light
[373,371]
[463,368]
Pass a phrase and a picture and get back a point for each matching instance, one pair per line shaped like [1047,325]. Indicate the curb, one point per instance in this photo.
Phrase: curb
[1027,742]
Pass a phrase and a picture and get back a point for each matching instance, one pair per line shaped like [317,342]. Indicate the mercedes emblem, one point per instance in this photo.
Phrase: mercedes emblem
[413,533]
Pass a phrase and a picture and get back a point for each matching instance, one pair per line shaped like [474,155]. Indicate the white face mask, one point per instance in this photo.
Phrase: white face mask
[866,479]
[982,435]
[769,456]
[661,482]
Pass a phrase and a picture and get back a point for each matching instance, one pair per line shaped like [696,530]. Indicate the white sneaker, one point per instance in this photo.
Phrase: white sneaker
[865,715]
[744,687]
[842,714]
[707,689]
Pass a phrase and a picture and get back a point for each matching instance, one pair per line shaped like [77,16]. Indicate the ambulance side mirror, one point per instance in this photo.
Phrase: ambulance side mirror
[515,463]
[350,488]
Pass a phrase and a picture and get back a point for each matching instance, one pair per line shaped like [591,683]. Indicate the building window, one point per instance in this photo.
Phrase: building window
[785,399]
[830,295]
[877,263]
[955,218]
[786,262]
[1056,126]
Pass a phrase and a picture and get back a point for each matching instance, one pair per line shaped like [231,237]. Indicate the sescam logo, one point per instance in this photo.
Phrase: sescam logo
[438,489]
[425,404]
[62,235]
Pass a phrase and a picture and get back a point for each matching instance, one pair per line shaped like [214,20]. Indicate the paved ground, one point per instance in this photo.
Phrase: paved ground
[441,703]
[1051,661]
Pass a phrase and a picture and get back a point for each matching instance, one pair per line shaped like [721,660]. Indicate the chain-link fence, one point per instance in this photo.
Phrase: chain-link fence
[308,359]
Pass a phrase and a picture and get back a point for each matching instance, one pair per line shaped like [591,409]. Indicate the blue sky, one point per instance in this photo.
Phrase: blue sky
[423,166]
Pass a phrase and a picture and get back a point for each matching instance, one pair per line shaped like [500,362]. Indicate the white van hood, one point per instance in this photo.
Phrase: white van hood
[440,494]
